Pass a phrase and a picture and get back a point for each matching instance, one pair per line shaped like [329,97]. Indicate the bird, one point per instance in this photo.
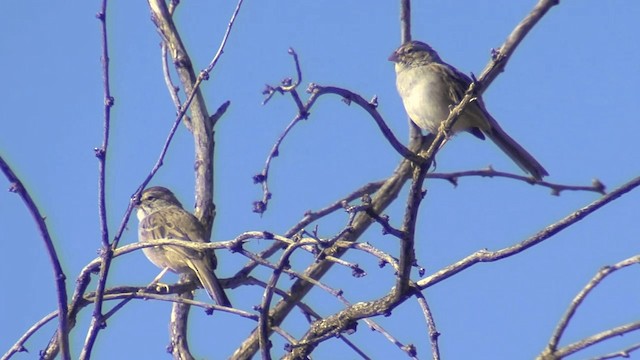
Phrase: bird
[429,87]
[161,216]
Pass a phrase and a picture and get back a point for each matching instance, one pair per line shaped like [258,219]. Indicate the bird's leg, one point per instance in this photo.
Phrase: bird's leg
[157,286]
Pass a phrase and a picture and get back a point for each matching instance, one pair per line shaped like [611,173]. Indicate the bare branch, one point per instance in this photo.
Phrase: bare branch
[407,249]
[556,189]
[625,353]
[552,348]
[101,154]
[19,345]
[17,186]
[304,110]
[431,325]
[490,256]
[225,38]
[591,340]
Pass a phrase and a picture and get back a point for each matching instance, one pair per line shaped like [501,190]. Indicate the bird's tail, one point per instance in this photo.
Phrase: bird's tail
[215,290]
[516,152]
[211,284]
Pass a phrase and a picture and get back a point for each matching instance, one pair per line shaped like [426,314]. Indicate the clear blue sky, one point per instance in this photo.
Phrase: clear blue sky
[568,95]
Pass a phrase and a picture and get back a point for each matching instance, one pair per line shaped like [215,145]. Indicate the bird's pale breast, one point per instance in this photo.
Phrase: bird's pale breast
[426,98]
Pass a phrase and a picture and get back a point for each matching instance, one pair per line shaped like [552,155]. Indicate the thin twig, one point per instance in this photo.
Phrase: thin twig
[97,321]
[591,340]
[19,345]
[303,112]
[431,325]
[556,189]
[171,87]
[308,218]
[552,347]
[225,38]
[264,323]
[625,353]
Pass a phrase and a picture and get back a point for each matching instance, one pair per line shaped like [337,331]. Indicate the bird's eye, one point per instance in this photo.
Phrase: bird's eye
[151,197]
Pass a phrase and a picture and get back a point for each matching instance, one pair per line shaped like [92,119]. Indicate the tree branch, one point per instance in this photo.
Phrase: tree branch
[58,274]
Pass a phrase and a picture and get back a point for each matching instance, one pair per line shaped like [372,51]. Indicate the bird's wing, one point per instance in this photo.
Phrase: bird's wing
[174,224]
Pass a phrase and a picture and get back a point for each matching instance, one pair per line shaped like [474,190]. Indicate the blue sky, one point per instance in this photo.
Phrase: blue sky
[568,95]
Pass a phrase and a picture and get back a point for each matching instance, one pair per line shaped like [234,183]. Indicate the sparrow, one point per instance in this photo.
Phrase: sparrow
[429,88]
[162,216]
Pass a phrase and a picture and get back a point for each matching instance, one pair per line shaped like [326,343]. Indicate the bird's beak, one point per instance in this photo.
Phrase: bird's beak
[394,57]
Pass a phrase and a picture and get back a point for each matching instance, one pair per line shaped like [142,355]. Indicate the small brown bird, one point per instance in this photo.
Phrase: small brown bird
[162,216]
[429,87]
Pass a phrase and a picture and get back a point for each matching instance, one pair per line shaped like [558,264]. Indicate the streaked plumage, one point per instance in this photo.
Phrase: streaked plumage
[161,216]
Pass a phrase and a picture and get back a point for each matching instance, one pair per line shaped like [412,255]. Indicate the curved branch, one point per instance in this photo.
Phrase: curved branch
[58,273]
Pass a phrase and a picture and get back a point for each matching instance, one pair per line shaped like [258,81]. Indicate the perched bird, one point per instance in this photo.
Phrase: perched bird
[429,87]
[161,216]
